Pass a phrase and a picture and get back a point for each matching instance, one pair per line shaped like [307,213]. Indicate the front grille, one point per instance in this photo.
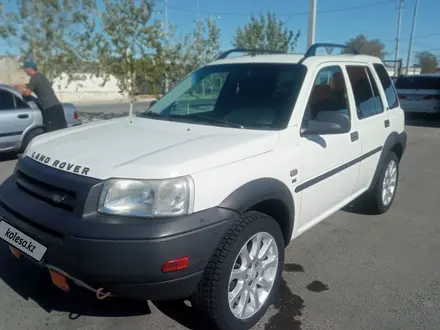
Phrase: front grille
[56,196]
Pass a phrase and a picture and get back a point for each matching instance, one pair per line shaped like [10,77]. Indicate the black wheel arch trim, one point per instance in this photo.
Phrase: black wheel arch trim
[261,190]
[392,140]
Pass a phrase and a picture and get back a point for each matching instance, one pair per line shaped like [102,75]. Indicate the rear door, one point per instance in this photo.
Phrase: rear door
[15,117]
[419,93]
[371,120]
[395,114]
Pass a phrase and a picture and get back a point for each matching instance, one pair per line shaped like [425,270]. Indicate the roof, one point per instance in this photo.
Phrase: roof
[295,58]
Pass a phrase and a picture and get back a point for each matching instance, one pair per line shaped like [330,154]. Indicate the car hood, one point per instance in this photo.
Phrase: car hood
[147,148]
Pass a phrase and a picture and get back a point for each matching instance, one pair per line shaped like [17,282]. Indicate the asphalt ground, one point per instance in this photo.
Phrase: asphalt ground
[352,271]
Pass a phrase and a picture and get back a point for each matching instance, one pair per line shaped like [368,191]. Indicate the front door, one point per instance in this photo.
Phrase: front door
[328,170]
[15,117]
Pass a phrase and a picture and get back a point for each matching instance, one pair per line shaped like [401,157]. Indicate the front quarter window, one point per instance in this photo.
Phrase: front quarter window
[250,95]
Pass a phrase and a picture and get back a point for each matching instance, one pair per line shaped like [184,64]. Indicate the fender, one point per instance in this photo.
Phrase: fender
[261,190]
[392,140]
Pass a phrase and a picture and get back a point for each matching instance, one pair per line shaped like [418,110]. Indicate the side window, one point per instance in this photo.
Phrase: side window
[362,91]
[6,100]
[387,85]
[377,98]
[20,104]
[329,93]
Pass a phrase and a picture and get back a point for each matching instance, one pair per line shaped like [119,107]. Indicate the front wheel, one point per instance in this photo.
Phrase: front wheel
[243,276]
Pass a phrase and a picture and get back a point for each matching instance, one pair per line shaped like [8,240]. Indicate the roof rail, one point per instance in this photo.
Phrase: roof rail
[244,50]
[312,49]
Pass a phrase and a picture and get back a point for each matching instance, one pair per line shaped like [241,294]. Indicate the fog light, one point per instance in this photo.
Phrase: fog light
[15,252]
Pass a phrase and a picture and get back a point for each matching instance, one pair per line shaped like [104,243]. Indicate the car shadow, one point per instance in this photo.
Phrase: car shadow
[422,120]
[288,307]
[358,208]
[37,286]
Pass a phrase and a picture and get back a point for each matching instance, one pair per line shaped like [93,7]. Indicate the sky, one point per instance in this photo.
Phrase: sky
[337,20]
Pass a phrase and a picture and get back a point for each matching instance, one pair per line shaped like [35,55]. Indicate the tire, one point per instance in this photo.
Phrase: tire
[215,288]
[374,202]
[29,137]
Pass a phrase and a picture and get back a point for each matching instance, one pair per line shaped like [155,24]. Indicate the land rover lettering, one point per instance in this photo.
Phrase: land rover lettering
[62,165]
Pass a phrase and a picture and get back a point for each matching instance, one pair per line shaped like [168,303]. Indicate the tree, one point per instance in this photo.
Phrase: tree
[428,62]
[266,32]
[44,31]
[364,46]
[179,57]
[127,44]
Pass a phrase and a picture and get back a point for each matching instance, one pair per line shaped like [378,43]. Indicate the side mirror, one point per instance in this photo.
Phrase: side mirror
[328,122]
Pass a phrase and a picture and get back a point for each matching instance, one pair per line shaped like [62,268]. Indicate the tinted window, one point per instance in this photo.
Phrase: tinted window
[20,104]
[421,82]
[329,93]
[6,100]
[390,92]
[362,91]
[377,98]
[251,95]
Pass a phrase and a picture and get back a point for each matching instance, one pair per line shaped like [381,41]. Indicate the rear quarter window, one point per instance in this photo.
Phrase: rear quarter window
[387,85]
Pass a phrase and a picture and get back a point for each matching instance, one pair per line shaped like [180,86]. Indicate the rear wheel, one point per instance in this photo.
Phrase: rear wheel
[381,196]
[29,137]
[242,277]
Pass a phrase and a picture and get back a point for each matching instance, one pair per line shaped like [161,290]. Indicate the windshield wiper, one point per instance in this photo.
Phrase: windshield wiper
[154,115]
[209,120]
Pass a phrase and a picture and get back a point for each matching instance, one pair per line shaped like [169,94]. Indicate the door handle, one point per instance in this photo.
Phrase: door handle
[387,123]
[354,136]
[23,116]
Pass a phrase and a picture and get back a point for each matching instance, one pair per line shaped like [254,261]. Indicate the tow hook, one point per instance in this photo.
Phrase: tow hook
[100,295]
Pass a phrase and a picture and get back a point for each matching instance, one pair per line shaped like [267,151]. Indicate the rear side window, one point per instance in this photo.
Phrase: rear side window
[387,85]
[418,82]
[367,102]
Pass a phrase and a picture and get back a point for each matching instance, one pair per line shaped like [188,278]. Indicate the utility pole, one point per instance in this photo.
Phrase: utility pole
[166,38]
[399,19]
[312,23]
[412,36]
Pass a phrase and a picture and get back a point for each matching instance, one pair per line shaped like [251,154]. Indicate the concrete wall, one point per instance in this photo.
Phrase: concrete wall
[85,90]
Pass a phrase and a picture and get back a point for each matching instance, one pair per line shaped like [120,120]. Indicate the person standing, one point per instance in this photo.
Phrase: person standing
[52,110]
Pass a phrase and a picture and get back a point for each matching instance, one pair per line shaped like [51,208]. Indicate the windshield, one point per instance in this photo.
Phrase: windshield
[251,95]
[418,83]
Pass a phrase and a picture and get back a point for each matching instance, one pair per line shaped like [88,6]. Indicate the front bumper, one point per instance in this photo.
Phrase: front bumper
[123,256]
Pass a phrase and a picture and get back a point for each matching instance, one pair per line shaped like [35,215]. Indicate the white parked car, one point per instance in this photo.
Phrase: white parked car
[419,93]
[21,119]
[198,197]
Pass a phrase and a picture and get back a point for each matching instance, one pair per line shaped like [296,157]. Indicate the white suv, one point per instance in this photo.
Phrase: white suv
[198,197]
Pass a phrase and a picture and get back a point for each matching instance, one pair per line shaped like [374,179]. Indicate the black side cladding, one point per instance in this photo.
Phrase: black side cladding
[263,190]
[394,140]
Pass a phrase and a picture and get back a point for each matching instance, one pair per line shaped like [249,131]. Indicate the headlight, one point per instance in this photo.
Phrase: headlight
[147,198]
